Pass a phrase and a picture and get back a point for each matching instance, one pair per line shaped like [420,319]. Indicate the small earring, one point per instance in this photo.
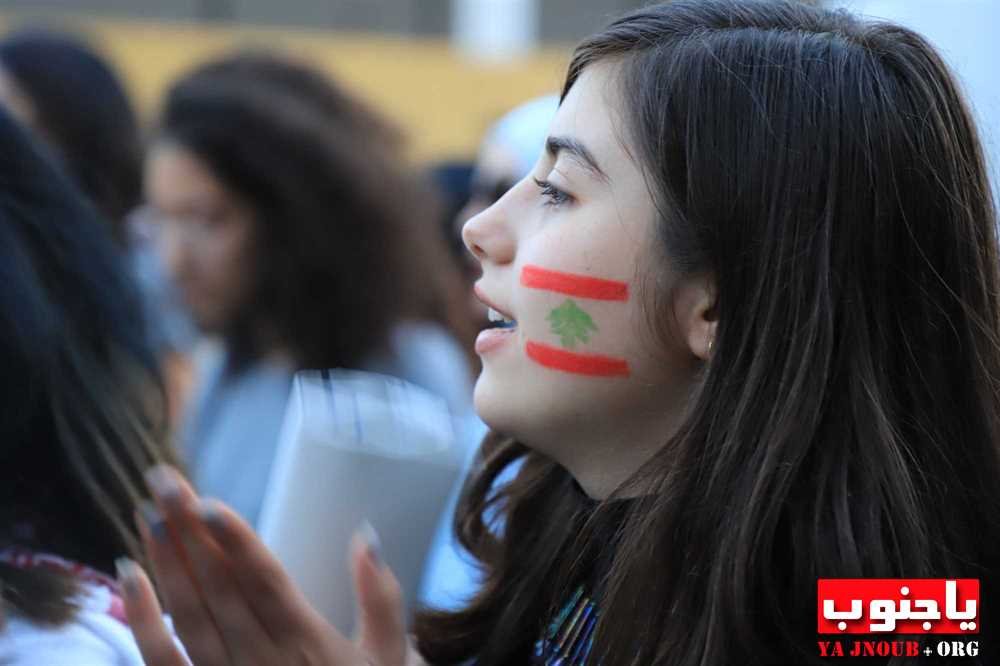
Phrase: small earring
[710,343]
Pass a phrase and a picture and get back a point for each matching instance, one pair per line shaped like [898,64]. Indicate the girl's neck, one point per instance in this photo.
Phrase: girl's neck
[604,460]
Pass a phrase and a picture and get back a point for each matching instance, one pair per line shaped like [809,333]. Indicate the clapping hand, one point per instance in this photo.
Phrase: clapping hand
[231,602]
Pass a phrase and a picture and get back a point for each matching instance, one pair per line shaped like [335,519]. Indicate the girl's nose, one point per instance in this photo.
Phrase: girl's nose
[489,237]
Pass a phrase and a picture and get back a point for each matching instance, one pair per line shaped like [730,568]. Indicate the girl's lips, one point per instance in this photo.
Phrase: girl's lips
[488,303]
[492,338]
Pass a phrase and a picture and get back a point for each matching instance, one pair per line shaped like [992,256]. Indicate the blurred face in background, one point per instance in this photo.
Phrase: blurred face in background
[506,156]
[496,172]
[205,235]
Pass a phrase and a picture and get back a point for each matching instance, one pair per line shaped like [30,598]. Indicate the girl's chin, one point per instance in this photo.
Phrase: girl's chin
[494,403]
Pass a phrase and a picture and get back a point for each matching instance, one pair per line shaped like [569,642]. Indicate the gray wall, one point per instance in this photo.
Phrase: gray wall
[560,20]
[173,9]
[572,20]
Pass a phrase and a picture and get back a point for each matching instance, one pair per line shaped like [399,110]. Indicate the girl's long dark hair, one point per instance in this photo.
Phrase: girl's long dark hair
[826,172]
[82,407]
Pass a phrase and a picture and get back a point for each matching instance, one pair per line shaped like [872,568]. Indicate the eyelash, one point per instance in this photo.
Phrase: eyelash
[555,196]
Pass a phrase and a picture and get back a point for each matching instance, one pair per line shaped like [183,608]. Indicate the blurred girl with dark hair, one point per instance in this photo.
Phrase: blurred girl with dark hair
[63,89]
[83,416]
[58,86]
[300,240]
[751,338]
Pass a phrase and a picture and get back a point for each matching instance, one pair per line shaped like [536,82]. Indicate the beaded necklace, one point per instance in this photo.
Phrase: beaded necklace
[570,635]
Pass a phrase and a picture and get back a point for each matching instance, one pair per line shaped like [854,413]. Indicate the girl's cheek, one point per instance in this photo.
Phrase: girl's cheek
[575,310]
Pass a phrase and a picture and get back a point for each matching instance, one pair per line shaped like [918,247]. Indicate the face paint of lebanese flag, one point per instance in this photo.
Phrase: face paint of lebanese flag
[572,324]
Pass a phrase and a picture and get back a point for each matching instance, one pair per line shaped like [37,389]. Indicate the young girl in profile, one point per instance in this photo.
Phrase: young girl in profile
[748,319]
[82,414]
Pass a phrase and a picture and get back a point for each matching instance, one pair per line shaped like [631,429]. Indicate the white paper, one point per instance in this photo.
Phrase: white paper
[357,446]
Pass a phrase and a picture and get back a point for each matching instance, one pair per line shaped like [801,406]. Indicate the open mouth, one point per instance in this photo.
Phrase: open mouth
[499,320]
[501,331]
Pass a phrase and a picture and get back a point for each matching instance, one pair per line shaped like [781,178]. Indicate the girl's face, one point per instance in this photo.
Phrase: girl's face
[206,236]
[570,253]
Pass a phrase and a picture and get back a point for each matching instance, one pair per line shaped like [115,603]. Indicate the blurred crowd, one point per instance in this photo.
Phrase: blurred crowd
[265,221]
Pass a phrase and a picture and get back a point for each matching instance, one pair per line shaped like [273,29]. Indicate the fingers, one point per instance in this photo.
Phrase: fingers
[245,639]
[194,624]
[145,618]
[231,599]
[278,603]
[381,621]
[170,489]
[413,658]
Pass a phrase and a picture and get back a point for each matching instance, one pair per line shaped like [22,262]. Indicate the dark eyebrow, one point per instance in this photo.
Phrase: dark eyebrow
[557,144]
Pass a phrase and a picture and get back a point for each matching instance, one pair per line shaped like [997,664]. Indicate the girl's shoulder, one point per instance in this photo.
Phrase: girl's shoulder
[96,636]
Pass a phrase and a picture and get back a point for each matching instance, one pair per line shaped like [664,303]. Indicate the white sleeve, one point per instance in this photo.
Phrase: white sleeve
[92,638]
[24,643]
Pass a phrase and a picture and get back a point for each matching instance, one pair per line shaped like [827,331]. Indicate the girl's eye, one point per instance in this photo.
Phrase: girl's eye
[555,196]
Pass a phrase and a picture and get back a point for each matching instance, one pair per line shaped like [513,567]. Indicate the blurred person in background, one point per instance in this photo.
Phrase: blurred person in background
[452,181]
[300,239]
[69,96]
[64,91]
[83,416]
[508,152]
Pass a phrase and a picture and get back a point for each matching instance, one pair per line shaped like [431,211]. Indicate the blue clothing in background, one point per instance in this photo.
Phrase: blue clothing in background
[230,437]
[451,576]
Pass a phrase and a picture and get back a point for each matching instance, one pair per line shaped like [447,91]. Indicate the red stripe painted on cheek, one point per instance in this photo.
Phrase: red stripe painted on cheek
[572,284]
[593,365]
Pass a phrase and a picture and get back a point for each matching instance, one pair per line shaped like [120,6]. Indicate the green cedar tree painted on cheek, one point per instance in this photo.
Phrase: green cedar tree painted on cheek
[571,324]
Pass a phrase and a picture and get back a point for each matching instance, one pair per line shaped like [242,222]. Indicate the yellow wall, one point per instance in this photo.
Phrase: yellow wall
[444,102]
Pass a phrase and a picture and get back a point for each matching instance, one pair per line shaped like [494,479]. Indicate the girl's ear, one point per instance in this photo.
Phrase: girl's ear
[698,315]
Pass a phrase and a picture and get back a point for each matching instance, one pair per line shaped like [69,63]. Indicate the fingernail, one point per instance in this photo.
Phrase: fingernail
[128,573]
[210,512]
[162,480]
[154,519]
[372,541]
